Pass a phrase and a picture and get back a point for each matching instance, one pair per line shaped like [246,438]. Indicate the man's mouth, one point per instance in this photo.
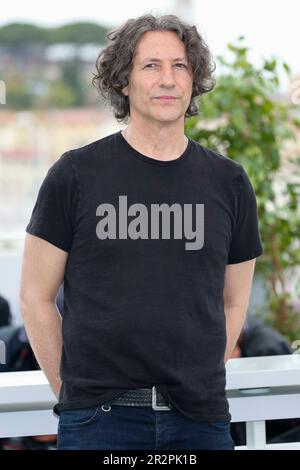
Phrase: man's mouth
[166,98]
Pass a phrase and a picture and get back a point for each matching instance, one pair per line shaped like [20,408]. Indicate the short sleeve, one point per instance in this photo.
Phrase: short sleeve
[53,214]
[245,242]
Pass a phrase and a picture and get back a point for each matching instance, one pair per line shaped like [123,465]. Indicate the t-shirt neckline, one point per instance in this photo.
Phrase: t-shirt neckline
[154,161]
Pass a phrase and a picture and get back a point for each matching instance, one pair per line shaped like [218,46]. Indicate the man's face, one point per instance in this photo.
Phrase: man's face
[159,69]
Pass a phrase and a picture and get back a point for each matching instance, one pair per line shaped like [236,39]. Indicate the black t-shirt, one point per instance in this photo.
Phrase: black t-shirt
[148,242]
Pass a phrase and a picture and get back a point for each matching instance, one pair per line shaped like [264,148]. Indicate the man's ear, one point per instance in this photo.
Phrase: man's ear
[125,90]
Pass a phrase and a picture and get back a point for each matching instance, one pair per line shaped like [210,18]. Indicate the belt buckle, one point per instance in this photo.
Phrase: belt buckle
[154,405]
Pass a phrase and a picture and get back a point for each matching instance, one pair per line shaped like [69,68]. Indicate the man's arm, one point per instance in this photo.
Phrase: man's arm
[237,289]
[42,273]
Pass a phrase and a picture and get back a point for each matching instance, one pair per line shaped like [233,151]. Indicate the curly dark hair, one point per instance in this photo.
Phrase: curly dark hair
[114,62]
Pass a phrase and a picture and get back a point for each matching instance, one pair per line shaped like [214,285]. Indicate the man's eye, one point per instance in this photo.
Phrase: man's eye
[181,65]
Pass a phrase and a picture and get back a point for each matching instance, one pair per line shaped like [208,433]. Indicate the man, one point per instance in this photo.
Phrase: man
[155,238]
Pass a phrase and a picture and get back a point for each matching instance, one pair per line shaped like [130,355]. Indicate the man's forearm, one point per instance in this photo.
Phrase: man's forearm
[235,319]
[43,325]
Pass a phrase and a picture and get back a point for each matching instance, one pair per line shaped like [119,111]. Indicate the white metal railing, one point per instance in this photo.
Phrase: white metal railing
[258,389]
[261,389]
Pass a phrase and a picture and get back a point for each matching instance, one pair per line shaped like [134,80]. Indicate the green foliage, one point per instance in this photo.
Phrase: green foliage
[60,96]
[78,33]
[72,79]
[20,34]
[245,118]
[18,96]
[24,34]
[22,40]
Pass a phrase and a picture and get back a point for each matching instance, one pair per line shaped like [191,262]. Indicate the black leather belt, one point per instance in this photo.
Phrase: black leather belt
[142,397]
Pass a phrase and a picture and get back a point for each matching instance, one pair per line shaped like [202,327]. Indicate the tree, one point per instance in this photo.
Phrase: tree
[25,34]
[245,118]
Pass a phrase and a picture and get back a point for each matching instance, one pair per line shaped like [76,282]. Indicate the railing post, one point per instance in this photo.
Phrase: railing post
[255,434]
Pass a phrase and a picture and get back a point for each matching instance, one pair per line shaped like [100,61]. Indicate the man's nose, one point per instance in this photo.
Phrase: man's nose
[167,76]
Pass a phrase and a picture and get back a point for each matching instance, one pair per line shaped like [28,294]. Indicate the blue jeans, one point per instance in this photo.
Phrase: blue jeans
[134,428]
